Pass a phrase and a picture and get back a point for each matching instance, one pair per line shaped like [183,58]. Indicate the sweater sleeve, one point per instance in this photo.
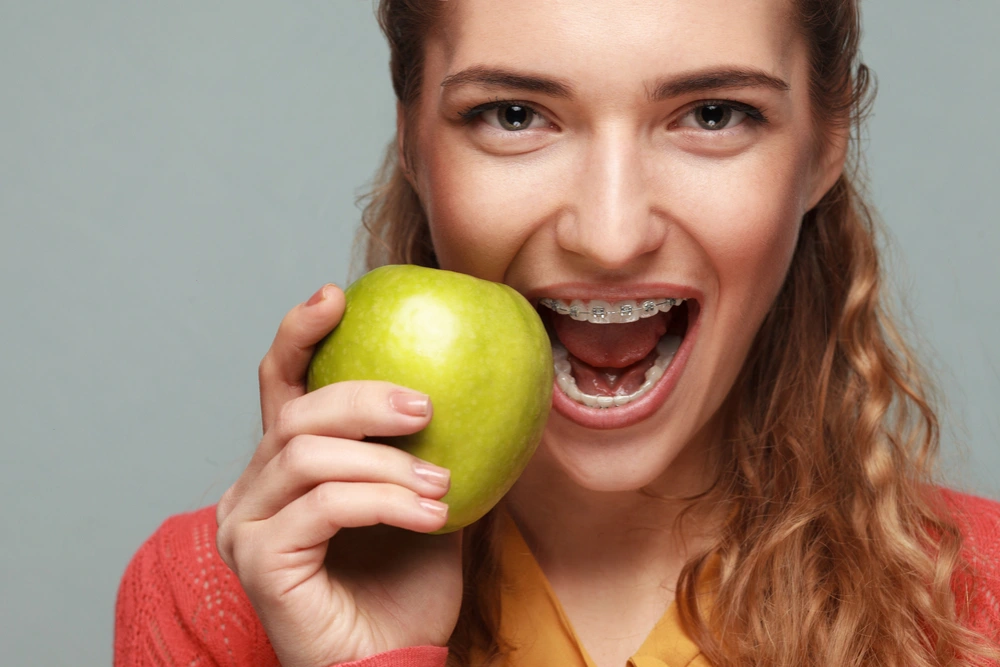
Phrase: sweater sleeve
[179,604]
[147,631]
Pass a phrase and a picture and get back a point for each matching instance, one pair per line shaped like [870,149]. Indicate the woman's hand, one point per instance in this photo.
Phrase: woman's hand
[325,595]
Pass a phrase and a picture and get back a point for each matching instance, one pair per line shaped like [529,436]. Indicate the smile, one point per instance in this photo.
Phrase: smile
[616,362]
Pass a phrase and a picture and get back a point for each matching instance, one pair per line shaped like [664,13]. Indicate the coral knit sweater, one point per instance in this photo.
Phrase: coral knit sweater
[178,603]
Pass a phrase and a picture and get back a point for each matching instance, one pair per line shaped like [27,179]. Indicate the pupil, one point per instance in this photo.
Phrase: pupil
[714,115]
[515,116]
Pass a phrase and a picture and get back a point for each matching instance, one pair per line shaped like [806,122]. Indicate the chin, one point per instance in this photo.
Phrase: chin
[633,463]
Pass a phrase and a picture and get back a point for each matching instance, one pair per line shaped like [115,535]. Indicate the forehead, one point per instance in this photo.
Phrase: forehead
[609,42]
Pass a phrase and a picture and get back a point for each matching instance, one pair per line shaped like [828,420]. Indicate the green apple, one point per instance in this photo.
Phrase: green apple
[477,348]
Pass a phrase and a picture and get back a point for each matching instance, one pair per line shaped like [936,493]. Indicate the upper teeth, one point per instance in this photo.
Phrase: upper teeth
[611,312]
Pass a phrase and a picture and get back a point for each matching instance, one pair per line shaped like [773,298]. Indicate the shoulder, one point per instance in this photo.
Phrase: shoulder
[979,521]
[977,581]
[178,596]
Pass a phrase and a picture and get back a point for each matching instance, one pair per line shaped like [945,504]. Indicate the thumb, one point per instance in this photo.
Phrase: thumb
[283,370]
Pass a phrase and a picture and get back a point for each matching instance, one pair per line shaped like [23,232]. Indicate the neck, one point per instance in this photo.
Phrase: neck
[634,534]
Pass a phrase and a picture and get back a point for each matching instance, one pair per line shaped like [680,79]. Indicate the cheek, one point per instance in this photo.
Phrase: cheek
[481,212]
[749,228]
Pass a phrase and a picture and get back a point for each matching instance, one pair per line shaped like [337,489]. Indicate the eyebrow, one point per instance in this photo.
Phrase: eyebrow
[495,77]
[675,86]
[730,77]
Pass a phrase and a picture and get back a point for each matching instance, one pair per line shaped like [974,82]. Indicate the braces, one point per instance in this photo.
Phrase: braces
[600,314]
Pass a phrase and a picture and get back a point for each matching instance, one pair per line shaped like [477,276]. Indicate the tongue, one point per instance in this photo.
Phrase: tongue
[610,359]
[610,345]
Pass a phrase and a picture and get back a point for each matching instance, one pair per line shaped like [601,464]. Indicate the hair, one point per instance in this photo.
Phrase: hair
[835,547]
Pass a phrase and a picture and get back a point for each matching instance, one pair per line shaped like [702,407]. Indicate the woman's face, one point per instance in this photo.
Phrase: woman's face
[612,153]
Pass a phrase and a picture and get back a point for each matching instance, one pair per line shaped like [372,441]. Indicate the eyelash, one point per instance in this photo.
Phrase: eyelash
[473,112]
[753,113]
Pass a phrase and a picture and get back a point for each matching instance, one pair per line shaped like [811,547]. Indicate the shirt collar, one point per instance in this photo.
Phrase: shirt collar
[535,625]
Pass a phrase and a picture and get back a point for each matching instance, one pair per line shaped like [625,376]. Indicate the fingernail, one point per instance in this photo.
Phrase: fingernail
[433,507]
[433,474]
[412,404]
[318,296]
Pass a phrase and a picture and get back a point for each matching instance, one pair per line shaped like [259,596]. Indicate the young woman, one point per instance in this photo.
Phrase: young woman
[767,501]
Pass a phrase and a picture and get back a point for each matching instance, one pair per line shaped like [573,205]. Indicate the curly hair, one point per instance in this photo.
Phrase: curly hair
[835,548]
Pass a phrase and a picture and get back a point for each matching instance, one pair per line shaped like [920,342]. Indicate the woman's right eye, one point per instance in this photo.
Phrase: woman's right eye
[509,116]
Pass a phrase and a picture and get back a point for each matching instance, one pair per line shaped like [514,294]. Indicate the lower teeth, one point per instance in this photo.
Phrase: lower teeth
[665,351]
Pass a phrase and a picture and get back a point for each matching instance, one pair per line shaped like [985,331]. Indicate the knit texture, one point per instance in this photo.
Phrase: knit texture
[179,604]
[977,589]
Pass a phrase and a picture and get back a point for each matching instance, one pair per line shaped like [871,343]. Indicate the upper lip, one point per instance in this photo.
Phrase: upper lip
[590,291]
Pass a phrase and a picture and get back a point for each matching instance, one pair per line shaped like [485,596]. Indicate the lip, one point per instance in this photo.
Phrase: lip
[643,408]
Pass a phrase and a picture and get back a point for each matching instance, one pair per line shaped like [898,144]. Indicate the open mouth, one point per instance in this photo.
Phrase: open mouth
[609,354]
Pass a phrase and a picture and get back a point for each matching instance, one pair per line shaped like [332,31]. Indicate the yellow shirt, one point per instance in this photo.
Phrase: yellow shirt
[533,621]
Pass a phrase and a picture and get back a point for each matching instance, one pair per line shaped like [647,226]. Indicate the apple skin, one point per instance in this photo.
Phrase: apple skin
[477,348]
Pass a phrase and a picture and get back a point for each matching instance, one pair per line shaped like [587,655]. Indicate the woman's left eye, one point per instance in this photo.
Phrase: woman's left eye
[715,116]
[507,116]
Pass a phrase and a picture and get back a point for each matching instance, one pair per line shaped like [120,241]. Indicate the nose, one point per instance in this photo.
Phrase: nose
[610,218]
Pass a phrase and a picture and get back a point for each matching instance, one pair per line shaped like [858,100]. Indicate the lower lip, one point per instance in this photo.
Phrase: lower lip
[636,411]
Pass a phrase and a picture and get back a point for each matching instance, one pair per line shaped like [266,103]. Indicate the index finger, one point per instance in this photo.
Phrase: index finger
[283,369]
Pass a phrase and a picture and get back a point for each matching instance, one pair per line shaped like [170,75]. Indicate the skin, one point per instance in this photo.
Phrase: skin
[612,189]
[609,188]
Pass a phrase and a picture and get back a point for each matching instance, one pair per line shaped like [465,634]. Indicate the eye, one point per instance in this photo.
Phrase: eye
[507,116]
[715,116]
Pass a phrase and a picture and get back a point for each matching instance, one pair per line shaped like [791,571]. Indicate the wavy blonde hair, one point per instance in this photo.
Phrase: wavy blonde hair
[834,550]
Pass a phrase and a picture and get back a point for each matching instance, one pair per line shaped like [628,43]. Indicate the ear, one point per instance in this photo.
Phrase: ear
[829,166]
[401,144]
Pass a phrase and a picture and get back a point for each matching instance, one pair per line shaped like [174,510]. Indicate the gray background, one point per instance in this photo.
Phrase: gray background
[174,177]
